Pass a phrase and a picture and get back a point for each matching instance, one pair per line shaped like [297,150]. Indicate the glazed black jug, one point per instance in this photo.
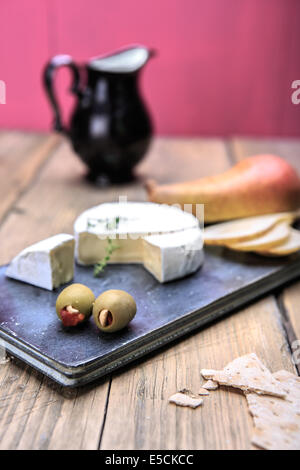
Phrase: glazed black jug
[110,127]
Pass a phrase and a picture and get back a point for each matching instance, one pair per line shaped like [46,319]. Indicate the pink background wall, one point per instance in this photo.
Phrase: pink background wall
[224,66]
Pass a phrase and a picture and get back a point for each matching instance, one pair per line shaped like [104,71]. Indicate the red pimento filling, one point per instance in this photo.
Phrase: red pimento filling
[71,318]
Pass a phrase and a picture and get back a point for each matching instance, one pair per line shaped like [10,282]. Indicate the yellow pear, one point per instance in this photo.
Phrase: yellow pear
[262,184]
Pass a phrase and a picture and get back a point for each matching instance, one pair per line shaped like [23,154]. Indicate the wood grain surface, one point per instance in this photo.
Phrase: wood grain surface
[287,299]
[42,190]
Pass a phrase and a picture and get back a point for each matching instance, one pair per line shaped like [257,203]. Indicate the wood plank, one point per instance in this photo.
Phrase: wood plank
[21,156]
[62,192]
[36,414]
[139,416]
[47,418]
[291,301]
[290,150]
[148,421]
[178,159]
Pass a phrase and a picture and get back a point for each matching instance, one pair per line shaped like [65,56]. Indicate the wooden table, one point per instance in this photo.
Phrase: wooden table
[42,190]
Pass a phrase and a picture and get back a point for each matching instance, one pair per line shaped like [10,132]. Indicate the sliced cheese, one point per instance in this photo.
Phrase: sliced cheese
[165,239]
[47,264]
[173,255]
[275,236]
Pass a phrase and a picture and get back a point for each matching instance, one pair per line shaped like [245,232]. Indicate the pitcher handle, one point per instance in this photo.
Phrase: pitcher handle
[48,78]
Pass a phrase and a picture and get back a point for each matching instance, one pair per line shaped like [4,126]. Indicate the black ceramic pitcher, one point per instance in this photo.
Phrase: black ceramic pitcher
[110,127]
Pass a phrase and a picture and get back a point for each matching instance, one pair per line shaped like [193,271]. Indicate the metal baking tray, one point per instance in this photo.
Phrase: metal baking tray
[32,332]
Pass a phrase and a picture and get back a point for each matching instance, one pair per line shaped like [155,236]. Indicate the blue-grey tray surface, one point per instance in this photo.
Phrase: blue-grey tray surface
[32,332]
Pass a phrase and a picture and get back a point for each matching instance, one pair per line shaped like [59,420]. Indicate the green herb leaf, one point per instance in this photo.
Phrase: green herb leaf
[110,248]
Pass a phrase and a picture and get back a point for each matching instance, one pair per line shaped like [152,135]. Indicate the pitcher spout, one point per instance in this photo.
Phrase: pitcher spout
[128,60]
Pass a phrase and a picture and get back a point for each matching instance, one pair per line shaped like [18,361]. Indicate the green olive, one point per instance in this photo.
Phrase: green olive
[113,310]
[74,304]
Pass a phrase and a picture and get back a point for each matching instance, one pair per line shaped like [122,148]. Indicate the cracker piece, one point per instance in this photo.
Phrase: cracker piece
[250,375]
[203,391]
[208,374]
[211,385]
[277,420]
[183,399]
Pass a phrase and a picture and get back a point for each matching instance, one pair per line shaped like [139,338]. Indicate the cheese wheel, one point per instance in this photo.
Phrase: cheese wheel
[165,239]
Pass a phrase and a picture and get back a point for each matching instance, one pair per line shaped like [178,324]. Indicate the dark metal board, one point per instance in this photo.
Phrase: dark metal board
[72,357]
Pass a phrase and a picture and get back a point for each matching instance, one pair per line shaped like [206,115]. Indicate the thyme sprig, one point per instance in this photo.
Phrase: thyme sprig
[99,267]
[110,248]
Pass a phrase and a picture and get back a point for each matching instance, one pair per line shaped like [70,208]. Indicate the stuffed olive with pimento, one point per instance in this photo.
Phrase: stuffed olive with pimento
[74,304]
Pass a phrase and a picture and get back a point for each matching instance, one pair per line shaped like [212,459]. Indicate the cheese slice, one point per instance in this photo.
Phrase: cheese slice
[165,239]
[47,264]
[173,255]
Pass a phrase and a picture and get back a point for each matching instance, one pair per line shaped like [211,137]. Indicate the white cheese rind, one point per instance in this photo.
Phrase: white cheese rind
[175,235]
[136,218]
[46,264]
[181,253]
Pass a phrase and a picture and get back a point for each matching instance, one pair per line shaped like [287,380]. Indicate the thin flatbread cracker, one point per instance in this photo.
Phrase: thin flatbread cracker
[277,420]
[203,391]
[183,399]
[250,375]
[291,384]
[208,374]
[211,385]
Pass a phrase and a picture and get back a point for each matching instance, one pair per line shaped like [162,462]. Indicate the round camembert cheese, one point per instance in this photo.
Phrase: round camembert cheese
[165,239]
